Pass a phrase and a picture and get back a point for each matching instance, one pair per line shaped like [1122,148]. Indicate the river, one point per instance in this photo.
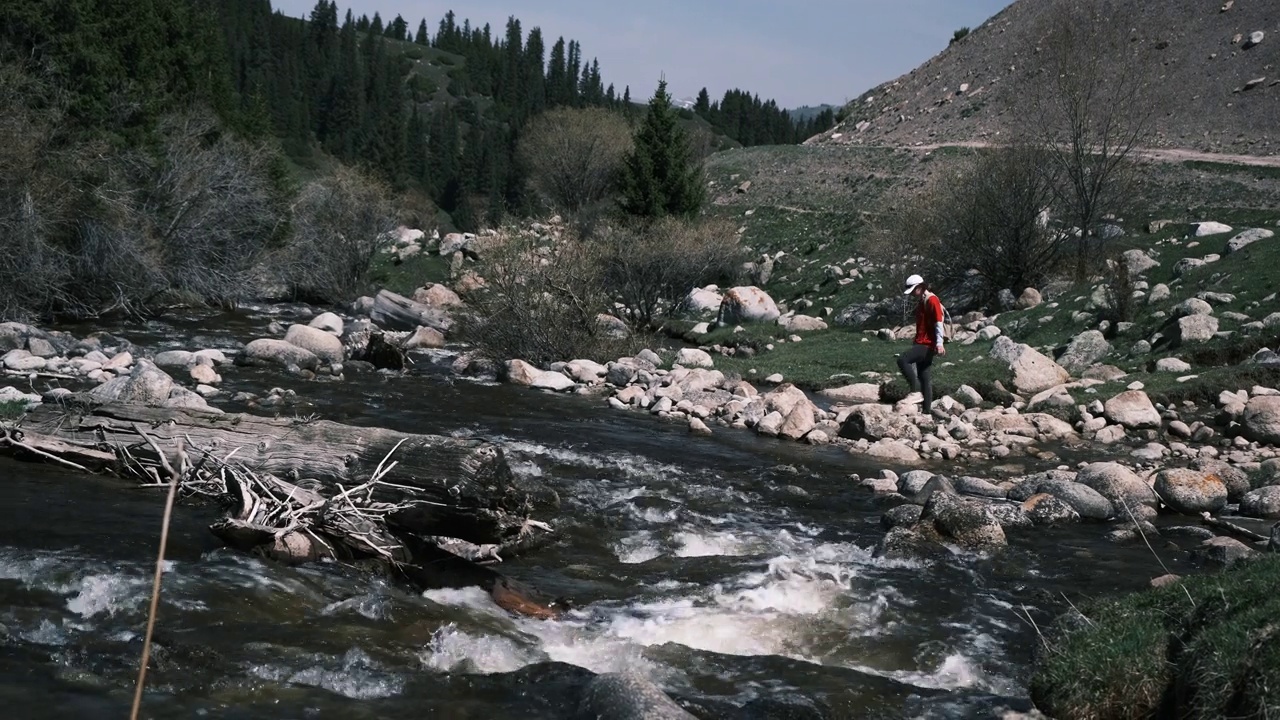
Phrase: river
[735,571]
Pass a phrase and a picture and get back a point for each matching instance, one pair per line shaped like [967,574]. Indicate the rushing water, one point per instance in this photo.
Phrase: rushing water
[734,571]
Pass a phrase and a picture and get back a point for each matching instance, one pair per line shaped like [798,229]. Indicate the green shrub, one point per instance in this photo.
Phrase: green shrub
[959,34]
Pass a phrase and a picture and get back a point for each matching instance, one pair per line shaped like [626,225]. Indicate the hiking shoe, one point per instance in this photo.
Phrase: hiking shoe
[914,398]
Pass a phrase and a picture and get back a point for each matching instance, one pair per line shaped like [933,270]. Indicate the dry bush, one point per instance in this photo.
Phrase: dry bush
[340,222]
[985,216]
[650,268]
[574,154]
[540,302]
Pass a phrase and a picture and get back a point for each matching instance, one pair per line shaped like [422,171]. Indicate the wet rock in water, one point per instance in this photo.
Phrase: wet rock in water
[1046,509]
[181,359]
[977,486]
[628,696]
[1225,550]
[967,522]
[1190,492]
[905,515]
[894,451]
[271,352]
[1262,503]
[554,381]
[146,385]
[424,338]
[328,322]
[1191,532]
[1118,484]
[877,422]
[912,482]
[1131,532]
[1087,502]
[910,543]
[326,347]
[1009,516]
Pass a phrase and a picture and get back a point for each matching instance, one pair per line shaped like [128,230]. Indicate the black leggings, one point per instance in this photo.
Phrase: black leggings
[915,365]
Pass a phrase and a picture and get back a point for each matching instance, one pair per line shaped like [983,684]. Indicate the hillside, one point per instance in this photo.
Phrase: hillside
[1194,51]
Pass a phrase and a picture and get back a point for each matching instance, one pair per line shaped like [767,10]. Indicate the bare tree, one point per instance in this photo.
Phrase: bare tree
[573,155]
[982,220]
[1088,112]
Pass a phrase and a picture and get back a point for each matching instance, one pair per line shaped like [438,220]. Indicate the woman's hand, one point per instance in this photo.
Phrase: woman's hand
[942,349]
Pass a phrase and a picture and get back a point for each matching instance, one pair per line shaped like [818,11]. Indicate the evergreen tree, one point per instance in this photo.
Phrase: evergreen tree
[659,175]
[556,69]
[703,104]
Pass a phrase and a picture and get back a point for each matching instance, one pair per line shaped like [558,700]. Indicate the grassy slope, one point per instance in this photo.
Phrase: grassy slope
[1205,647]
[818,204]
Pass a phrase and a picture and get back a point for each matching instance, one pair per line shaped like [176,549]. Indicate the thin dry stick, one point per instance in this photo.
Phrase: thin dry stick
[1138,526]
[155,596]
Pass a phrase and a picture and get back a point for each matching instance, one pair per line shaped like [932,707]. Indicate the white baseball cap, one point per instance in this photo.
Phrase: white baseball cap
[912,282]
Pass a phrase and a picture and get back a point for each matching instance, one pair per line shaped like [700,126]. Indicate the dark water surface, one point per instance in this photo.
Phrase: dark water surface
[734,571]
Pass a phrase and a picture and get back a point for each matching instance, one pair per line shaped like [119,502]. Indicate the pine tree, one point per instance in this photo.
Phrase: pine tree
[703,104]
[659,176]
[422,37]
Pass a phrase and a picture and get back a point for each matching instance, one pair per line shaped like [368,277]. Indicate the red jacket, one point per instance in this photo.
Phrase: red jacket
[928,320]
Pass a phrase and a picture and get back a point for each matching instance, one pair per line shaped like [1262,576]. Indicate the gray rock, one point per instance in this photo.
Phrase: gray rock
[1088,503]
[1032,371]
[1132,409]
[1190,492]
[1172,365]
[268,351]
[1226,551]
[912,482]
[1262,503]
[1192,306]
[1138,262]
[325,346]
[904,515]
[1118,484]
[978,486]
[145,385]
[936,484]
[1248,237]
[1196,328]
[1085,349]
[1046,509]
[1261,419]
[1009,516]
[967,522]
[1233,478]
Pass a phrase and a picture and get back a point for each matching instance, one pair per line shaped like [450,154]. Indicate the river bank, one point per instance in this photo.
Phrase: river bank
[769,542]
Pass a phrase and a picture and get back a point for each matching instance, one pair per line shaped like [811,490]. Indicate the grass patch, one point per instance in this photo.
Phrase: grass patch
[409,275]
[1255,171]
[1156,654]
[836,357]
[12,410]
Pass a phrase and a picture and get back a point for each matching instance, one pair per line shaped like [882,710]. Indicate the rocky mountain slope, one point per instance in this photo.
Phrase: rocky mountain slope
[1198,55]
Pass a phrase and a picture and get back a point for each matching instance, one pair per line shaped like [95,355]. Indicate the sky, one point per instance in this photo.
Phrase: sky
[802,52]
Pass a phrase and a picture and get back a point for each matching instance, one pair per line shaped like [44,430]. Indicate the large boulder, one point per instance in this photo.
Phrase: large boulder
[268,351]
[1190,492]
[1196,328]
[1209,227]
[145,385]
[1233,478]
[1262,503]
[328,322]
[702,303]
[1118,484]
[1261,419]
[798,422]
[1138,262]
[967,522]
[1032,371]
[1248,237]
[1087,502]
[437,295]
[1132,409]
[747,304]
[877,422]
[519,372]
[1085,349]
[323,345]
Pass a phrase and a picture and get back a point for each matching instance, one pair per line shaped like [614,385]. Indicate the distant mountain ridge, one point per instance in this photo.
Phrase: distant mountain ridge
[1198,52]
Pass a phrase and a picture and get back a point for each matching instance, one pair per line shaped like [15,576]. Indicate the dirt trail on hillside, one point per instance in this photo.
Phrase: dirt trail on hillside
[1157,154]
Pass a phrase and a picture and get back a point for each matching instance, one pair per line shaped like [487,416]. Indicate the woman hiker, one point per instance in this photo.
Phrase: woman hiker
[915,363]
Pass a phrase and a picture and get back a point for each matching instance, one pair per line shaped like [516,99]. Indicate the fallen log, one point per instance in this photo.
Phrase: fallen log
[454,487]
[336,503]
[397,312]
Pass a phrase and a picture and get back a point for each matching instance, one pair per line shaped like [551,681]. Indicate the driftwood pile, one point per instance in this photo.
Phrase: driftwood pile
[300,489]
